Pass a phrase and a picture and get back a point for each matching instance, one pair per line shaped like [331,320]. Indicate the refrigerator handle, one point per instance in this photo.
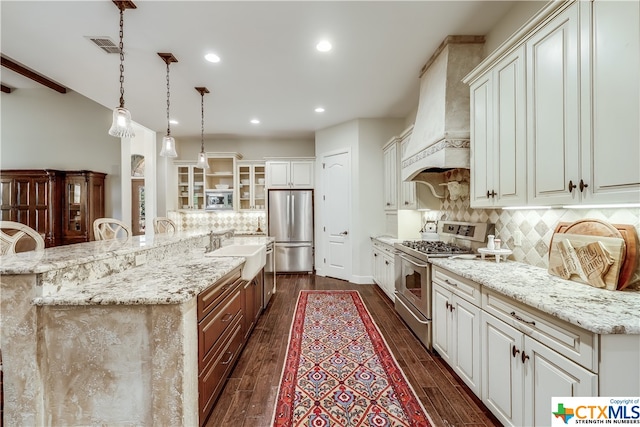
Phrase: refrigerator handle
[293,210]
[288,216]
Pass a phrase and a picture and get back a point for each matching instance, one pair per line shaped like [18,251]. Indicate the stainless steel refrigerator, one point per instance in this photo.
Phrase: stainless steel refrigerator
[291,224]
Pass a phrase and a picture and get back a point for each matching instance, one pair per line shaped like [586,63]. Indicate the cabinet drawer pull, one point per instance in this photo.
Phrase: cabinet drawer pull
[528,322]
[227,317]
[583,186]
[455,285]
[571,186]
[514,351]
[229,359]
[524,357]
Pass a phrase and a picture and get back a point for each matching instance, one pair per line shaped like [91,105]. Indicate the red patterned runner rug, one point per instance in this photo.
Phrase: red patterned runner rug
[339,371]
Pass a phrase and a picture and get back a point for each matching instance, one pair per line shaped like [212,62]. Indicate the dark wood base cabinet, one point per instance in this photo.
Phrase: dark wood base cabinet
[227,313]
[60,205]
[220,337]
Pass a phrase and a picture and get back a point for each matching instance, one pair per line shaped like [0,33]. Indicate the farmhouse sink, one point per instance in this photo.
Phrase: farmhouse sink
[255,255]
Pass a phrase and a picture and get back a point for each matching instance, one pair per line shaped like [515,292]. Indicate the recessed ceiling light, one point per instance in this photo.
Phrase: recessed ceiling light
[173,121]
[319,110]
[323,46]
[212,57]
[255,121]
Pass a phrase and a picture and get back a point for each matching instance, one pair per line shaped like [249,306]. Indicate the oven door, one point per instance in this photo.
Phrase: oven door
[413,283]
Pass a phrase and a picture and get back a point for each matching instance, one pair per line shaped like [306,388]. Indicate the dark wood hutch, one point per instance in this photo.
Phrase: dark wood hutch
[60,205]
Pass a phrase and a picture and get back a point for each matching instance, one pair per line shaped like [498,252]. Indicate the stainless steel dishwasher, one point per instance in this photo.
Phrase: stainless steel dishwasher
[269,284]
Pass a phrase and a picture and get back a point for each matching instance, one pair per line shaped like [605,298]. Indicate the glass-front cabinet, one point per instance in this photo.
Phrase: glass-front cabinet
[191,182]
[251,187]
[83,203]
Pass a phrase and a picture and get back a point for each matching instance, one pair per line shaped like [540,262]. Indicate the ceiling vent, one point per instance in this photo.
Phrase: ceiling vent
[105,43]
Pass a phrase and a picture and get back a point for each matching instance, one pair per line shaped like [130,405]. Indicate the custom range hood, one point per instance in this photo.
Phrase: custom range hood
[441,138]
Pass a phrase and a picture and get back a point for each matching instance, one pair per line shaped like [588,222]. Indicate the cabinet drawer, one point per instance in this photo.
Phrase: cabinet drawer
[212,378]
[216,322]
[383,247]
[464,288]
[216,293]
[569,340]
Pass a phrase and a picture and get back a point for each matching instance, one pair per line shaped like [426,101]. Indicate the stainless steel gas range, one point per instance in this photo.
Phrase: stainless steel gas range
[413,271]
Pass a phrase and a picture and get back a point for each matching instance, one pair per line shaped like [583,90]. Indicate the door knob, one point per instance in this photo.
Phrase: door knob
[344,233]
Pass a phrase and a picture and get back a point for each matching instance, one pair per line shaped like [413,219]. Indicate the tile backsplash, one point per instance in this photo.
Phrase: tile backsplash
[242,222]
[536,226]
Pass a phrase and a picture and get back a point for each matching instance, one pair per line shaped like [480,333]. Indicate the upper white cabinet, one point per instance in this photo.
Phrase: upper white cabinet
[289,173]
[610,124]
[553,106]
[498,134]
[390,172]
[408,199]
[574,109]
[251,189]
[190,185]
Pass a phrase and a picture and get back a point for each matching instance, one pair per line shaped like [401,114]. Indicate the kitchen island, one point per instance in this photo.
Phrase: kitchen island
[106,333]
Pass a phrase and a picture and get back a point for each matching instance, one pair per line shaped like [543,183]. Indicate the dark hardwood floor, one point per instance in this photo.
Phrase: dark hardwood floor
[249,395]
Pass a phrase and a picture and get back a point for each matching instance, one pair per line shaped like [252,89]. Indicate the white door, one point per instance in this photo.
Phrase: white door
[336,212]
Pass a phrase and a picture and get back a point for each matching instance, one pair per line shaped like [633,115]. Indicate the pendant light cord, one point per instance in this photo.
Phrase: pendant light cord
[121,46]
[202,122]
[168,102]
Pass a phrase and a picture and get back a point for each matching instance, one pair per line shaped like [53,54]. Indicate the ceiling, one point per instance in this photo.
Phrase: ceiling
[269,70]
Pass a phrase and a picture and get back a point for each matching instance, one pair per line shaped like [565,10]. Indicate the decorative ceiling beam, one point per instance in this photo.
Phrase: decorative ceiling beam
[14,66]
[6,89]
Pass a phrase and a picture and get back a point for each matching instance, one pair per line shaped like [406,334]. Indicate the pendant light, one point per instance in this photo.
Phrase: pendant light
[168,143]
[202,156]
[121,126]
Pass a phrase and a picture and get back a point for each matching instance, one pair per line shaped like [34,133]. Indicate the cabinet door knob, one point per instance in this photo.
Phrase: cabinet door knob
[524,357]
[571,186]
[446,304]
[488,194]
[386,262]
[583,185]
[514,351]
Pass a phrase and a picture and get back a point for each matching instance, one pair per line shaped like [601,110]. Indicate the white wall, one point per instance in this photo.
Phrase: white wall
[250,148]
[42,129]
[364,138]
[515,18]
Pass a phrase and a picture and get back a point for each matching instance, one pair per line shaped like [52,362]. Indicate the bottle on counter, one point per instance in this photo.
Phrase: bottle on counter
[491,244]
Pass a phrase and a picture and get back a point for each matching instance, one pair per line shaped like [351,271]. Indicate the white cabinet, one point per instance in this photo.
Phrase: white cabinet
[553,105]
[408,199]
[291,173]
[611,154]
[520,375]
[252,185]
[581,100]
[190,186]
[384,267]
[498,134]
[456,326]
[390,173]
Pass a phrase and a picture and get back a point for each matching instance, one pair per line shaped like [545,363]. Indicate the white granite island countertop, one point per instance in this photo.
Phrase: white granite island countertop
[157,283]
[596,310]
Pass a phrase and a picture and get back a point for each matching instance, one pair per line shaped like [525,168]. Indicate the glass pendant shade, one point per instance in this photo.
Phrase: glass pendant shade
[168,147]
[202,161]
[121,126]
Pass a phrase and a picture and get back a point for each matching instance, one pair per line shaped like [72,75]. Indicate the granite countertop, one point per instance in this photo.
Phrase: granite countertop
[596,310]
[388,240]
[153,283]
[34,262]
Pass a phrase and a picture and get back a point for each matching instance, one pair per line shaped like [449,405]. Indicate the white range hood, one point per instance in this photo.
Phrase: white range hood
[441,137]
